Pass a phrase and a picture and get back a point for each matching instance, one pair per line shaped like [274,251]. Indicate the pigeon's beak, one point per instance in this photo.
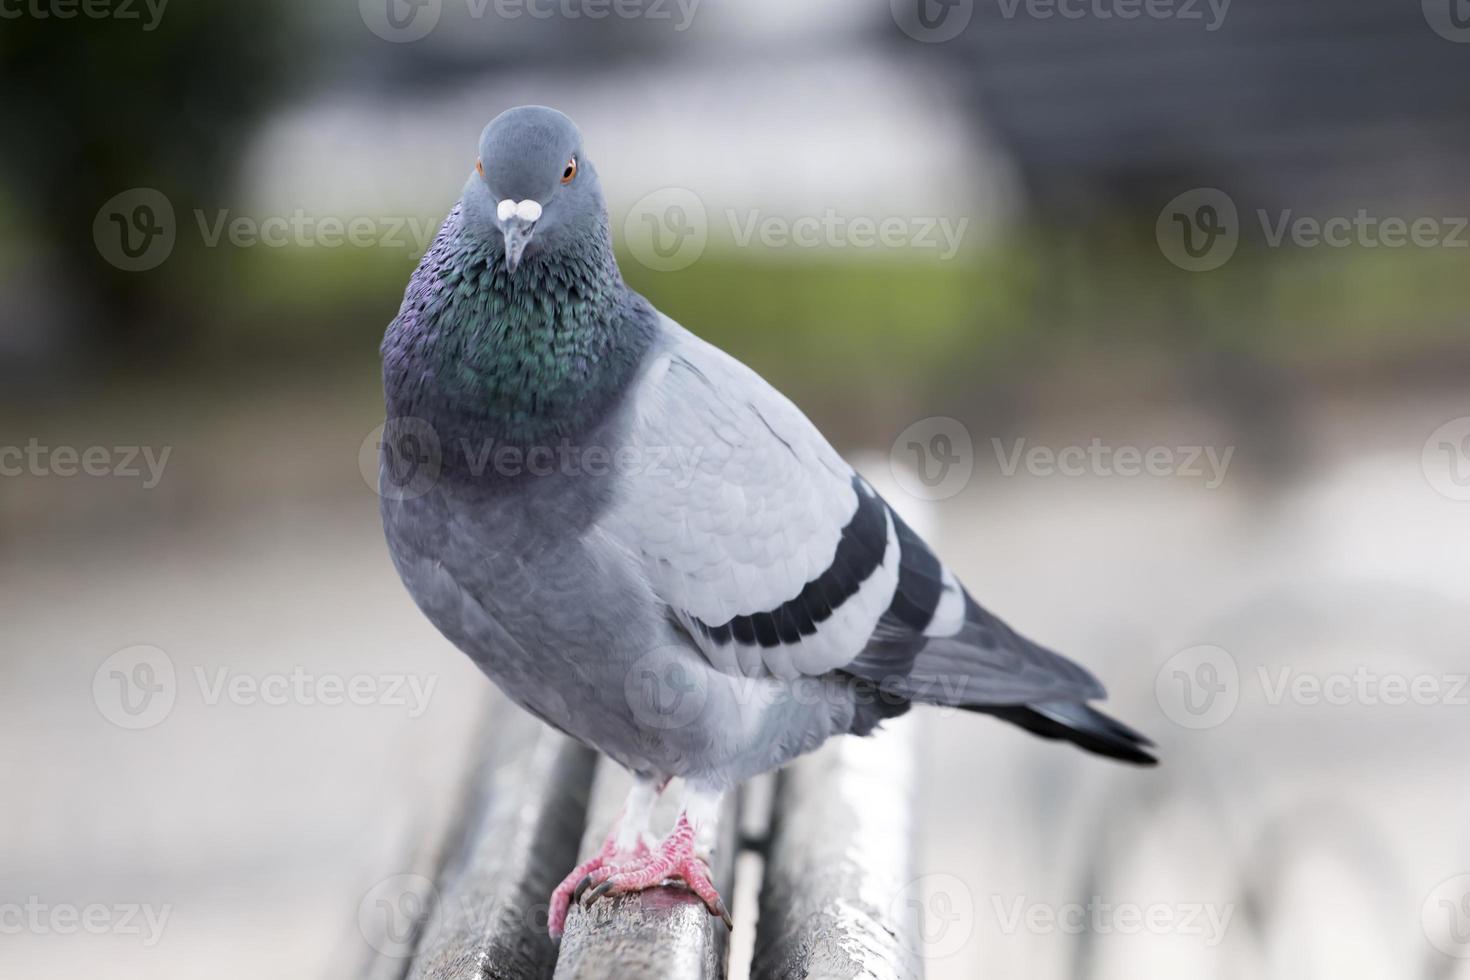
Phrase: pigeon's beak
[517,223]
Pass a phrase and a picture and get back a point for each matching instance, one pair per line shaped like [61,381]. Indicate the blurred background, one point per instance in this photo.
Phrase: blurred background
[1161,308]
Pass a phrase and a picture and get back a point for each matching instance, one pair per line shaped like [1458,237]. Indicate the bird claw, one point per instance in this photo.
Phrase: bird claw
[674,858]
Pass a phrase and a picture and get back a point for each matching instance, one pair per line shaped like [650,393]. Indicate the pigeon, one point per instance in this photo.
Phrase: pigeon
[642,542]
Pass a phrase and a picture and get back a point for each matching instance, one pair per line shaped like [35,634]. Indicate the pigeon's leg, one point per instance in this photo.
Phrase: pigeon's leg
[625,842]
[683,854]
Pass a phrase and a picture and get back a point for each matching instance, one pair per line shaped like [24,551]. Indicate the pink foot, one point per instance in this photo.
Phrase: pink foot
[674,858]
[561,899]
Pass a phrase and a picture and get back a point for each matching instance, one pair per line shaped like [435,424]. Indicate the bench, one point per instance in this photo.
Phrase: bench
[824,844]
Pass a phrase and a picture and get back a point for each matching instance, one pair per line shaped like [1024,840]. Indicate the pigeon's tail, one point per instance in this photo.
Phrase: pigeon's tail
[1079,723]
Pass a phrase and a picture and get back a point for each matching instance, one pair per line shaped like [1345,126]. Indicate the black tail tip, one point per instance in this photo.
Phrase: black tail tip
[1082,725]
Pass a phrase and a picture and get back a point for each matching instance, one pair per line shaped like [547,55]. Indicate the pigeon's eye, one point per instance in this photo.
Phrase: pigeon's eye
[570,172]
[480,167]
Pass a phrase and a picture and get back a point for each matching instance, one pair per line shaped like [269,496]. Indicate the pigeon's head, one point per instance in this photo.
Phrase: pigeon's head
[532,186]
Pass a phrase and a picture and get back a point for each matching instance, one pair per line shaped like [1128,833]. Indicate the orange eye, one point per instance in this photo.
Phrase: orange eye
[480,167]
[570,172]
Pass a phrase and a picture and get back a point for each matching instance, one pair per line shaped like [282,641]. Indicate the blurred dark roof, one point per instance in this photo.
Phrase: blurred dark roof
[1288,102]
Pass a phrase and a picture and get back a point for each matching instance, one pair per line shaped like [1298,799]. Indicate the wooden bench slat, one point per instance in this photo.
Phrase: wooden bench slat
[834,898]
[489,920]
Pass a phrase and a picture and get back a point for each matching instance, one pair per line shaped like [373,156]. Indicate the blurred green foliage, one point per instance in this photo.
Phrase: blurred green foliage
[896,326]
[96,105]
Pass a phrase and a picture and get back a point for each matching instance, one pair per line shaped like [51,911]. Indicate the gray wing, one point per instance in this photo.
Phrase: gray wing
[778,559]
